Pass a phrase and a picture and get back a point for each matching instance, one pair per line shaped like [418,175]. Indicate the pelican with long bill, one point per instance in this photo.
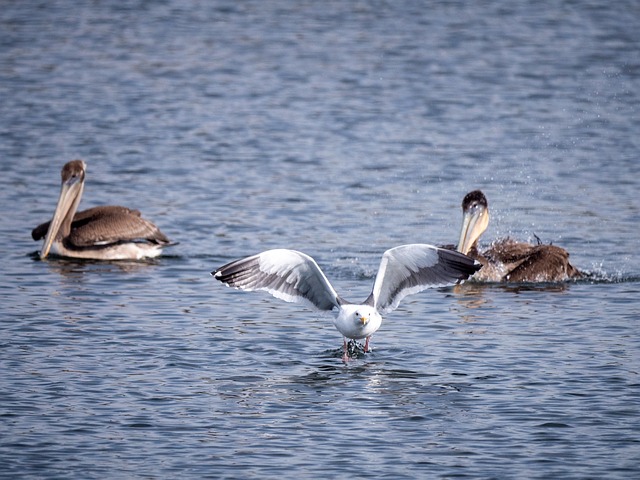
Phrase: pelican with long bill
[98,233]
[507,260]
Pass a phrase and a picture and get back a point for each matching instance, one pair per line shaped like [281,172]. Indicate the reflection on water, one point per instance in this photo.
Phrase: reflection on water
[75,267]
[475,289]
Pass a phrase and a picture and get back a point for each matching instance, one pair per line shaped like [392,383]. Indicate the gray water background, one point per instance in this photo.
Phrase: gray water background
[340,129]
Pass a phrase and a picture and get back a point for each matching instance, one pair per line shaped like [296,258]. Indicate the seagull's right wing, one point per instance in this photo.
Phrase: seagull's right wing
[286,274]
[409,269]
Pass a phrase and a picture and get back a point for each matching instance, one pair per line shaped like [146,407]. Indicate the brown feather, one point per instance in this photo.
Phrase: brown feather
[107,224]
[532,263]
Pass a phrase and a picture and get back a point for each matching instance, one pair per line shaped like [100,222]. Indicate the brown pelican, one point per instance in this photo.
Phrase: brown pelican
[508,260]
[99,233]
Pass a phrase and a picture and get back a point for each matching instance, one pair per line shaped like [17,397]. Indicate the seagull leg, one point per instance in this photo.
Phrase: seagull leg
[366,344]
[345,355]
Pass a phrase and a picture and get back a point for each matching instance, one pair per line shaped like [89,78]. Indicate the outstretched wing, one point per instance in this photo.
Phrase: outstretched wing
[286,274]
[409,269]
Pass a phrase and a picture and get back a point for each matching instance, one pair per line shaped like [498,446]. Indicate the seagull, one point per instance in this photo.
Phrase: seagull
[294,276]
[98,233]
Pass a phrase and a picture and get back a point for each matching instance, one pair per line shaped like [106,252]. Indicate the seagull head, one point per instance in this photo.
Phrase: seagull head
[357,321]
[366,317]
[362,317]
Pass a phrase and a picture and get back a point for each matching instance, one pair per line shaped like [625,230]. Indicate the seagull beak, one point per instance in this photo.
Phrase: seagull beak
[364,320]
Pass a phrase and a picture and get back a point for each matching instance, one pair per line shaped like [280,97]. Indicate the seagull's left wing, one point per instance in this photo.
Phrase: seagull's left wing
[409,269]
[286,274]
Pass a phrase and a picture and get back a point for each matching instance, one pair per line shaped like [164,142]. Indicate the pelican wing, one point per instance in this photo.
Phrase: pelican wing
[40,231]
[545,263]
[409,269]
[82,218]
[112,224]
[508,250]
[532,263]
[286,274]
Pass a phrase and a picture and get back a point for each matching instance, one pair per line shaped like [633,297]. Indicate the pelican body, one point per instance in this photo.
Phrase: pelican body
[99,233]
[295,277]
[508,260]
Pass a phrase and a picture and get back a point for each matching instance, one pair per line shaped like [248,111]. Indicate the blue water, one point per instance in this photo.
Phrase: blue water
[340,129]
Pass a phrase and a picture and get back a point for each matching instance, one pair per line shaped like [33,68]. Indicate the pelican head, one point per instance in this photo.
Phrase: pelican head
[70,194]
[475,219]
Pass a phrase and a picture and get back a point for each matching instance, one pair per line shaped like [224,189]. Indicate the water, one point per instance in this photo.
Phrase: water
[339,129]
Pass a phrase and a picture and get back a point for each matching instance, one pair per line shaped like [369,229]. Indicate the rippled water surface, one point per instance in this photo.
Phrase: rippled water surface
[340,129]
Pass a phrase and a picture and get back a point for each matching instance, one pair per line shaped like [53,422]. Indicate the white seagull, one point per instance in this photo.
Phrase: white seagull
[295,277]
